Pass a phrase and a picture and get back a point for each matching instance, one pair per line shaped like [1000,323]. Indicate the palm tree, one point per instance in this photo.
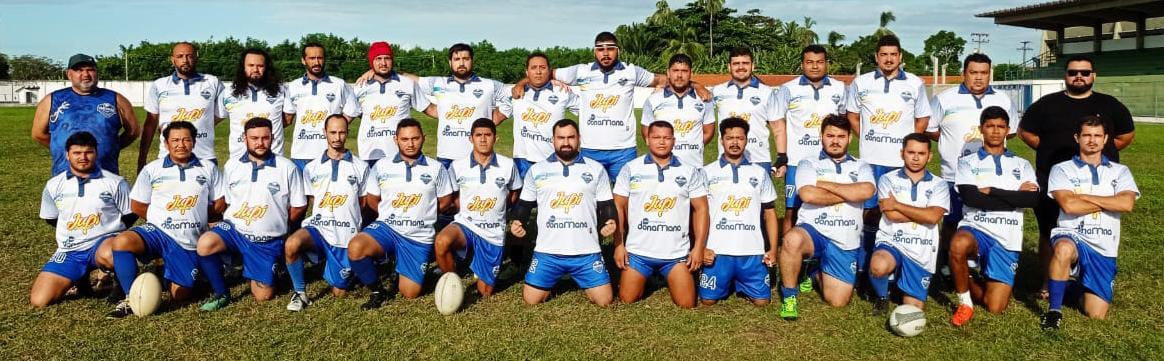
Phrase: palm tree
[807,35]
[684,42]
[835,38]
[886,18]
[713,7]
[663,14]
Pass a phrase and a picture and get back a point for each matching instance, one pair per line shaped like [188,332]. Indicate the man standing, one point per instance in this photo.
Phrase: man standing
[745,97]
[385,99]
[692,119]
[84,107]
[256,92]
[458,100]
[183,96]
[310,100]
[534,112]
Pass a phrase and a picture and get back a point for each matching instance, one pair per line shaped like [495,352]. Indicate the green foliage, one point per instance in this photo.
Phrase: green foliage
[3,67]
[32,67]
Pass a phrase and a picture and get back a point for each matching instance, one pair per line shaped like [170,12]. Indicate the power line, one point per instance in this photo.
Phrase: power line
[979,39]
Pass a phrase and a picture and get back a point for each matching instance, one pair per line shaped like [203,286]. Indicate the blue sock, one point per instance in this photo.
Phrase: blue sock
[365,270]
[295,269]
[790,292]
[880,285]
[1056,289]
[212,267]
[125,267]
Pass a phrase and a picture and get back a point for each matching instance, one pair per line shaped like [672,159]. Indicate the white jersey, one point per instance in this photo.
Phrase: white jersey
[1007,172]
[458,105]
[312,101]
[755,103]
[659,205]
[383,105]
[956,114]
[253,103]
[179,198]
[85,209]
[1100,230]
[888,108]
[193,100]
[687,114]
[735,196]
[533,119]
[484,194]
[918,242]
[336,187]
[567,196]
[259,196]
[803,107]
[606,112]
[840,222]
[409,194]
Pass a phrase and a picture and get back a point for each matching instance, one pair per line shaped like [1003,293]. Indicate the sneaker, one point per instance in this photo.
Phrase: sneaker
[115,295]
[122,310]
[376,300]
[299,301]
[880,307]
[806,285]
[1051,320]
[216,303]
[789,310]
[962,315]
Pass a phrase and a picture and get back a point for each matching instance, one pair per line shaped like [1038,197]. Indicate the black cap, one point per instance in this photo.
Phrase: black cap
[81,59]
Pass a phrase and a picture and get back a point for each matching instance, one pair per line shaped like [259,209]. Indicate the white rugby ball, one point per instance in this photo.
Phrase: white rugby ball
[145,294]
[907,320]
[449,293]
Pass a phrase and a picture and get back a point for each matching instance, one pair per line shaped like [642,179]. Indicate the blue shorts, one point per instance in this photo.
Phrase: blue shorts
[75,265]
[834,261]
[522,165]
[997,263]
[791,197]
[301,163]
[337,267]
[878,171]
[647,266]
[954,214]
[748,274]
[588,270]
[612,159]
[1094,271]
[181,264]
[259,258]
[912,278]
[412,257]
[486,260]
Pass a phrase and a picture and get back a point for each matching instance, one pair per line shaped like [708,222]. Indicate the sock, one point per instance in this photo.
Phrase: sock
[964,297]
[1057,289]
[295,269]
[365,270]
[789,292]
[212,267]
[880,285]
[125,268]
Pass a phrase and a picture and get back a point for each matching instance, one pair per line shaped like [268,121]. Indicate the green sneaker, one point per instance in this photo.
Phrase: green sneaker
[789,311]
[806,285]
[216,303]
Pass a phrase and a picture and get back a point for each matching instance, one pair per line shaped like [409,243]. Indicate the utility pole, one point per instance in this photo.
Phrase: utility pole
[979,39]
[1024,49]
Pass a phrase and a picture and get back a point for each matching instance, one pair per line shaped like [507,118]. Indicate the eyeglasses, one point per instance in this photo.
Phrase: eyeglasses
[1083,73]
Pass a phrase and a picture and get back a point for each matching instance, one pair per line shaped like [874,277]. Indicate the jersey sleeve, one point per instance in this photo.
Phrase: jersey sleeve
[864,174]
[572,102]
[767,190]
[963,175]
[622,182]
[220,104]
[217,186]
[940,197]
[350,107]
[779,103]
[921,106]
[122,197]
[505,104]
[569,74]
[805,174]
[308,190]
[851,98]
[143,186]
[648,114]
[1011,112]
[528,191]
[444,182]
[643,77]
[708,113]
[602,187]
[418,101]
[1058,181]
[451,173]
[372,187]
[515,180]
[936,118]
[151,99]
[295,189]
[1028,173]
[48,206]
[696,186]
[288,101]
[1125,182]
[501,92]
[884,186]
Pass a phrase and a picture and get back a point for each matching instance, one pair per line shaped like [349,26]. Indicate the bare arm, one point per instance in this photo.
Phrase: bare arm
[130,130]
[708,133]
[288,118]
[217,209]
[498,117]
[1073,204]
[1122,202]
[660,80]
[779,133]
[855,121]
[620,205]
[699,224]
[855,192]
[894,216]
[1031,139]
[1124,140]
[432,111]
[920,124]
[812,194]
[40,121]
[139,208]
[296,214]
[444,204]
[147,139]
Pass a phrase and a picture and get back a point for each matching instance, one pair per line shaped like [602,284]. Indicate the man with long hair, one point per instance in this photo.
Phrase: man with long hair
[256,91]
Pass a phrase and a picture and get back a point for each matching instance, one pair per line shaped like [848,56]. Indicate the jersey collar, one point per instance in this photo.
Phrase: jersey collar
[668,92]
[723,162]
[548,86]
[962,89]
[346,157]
[193,78]
[492,161]
[618,65]
[1080,163]
[926,175]
[900,74]
[96,174]
[982,153]
[269,162]
[421,160]
[823,81]
[194,162]
[648,159]
[577,160]
[824,156]
[473,78]
[752,83]
[391,76]
[325,78]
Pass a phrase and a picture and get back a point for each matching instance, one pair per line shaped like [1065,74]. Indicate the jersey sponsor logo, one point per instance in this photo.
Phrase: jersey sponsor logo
[381,132]
[553,99]
[587,177]
[500,182]
[884,118]
[906,96]
[602,102]
[312,118]
[836,98]
[605,122]
[1018,174]
[459,114]
[744,115]
[974,135]
[646,225]
[684,126]
[909,239]
[181,204]
[405,201]
[699,107]
[481,205]
[755,100]
[985,217]
[304,134]
[753,182]
[273,188]
[205,94]
[60,110]
[330,97]
[566,201]
[808,140]
[448,131]
[173,225]
[106,109]
[535,117]
[725,225]
[813,121]
[825,220]
[736,205]
[478,93]
[681,181]
[382,113]
[318,221]
[878,138]
[83,222]
[330,201]
[554,223]
[1086,230]
[106,198]
[187,115]
[659,205]
[249,214]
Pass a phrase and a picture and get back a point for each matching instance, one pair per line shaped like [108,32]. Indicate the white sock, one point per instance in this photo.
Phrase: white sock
[965,298]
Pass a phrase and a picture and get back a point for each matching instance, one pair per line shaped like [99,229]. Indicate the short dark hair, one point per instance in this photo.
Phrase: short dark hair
[188,126]
[1090,121]
[741,51]
[536,54]
[459,47]
[565,123]
[915,137]
[1075,58]
[256,122]
[605,36]
[834,120]
[993,112]
[336,115]
[82,139]
[483,123]
[889,40]
[975,58]
[660,124]
[187,43]
[733,122]
[312,44]
[815,49]
[679,58]
[408,122]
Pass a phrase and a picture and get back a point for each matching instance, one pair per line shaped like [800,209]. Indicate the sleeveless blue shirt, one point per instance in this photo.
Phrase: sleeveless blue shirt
[95,113]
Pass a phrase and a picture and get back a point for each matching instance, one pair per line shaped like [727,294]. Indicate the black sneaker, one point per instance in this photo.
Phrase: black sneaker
[880,307]
[115,295]
[1051,320]
[376,300]
[122,310]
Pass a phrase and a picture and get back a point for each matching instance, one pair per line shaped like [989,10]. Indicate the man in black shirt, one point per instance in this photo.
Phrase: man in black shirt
[1047,127]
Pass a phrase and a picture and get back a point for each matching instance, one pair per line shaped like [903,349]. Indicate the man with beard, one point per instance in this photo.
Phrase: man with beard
[458,100]
[385,98]
[310,100]
[1047,127]
[183,96]
[255,92]
[691,119]
[84,107]
[533,112]
[745,97]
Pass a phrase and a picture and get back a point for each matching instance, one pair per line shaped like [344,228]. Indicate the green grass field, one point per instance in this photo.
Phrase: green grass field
[566,327]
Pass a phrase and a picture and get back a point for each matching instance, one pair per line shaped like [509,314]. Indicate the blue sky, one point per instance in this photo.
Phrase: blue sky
[59,28]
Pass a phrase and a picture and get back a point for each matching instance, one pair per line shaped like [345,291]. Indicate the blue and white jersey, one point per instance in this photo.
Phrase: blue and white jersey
[335,187]
[919,242]
[1006,171]
[312,101]
[85,208]
[409,194]
[1100,230]
[659,205]
[193,100]
[383,105]
[567,196]
[735,195]
[687,114]
[484,194]
[458,105]
[840,222]
[253,103]
[956,114]
[606,109]
[888,108]
[533,119]
[803,107]
[259,196]
[755,103]
[179,198]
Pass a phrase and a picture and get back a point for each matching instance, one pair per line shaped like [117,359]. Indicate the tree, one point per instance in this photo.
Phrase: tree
[835,38]
[948,47]
[3,67]
[685,43]
[32,67]
[712,7]
[807,36]
[883,29]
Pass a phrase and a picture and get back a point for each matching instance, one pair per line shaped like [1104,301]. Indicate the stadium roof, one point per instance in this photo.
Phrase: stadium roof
[1054,15]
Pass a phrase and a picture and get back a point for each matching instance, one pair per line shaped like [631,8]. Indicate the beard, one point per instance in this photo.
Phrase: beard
[1078,89]
[262,153]
[566,154]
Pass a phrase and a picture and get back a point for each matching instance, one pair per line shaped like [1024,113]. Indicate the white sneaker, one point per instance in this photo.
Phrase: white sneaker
[299,301]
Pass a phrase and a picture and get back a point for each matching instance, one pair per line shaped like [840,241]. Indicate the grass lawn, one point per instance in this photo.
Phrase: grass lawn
[567,326]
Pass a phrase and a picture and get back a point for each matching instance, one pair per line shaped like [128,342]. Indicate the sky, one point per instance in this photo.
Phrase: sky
[60,28]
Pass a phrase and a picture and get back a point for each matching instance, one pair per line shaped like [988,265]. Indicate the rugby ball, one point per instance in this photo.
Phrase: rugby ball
[145,294]
[449,293]
[907,321]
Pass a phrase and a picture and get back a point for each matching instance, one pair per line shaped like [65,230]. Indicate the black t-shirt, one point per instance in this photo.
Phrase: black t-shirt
[1054,117]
